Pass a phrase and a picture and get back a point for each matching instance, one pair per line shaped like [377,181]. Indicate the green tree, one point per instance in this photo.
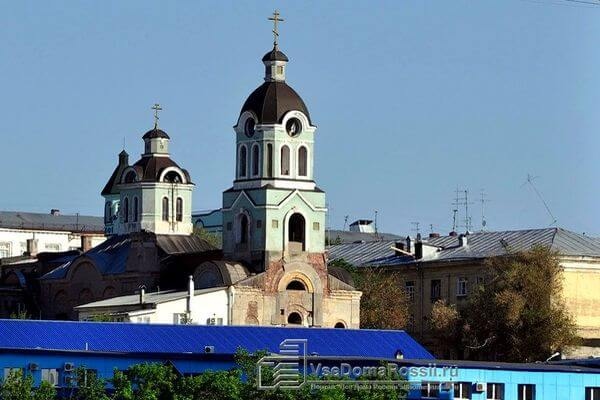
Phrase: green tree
[212,238]
[45,392]
[89,386]
[152,381]
[122,389]
[384,303]
[519,314]
[17,386]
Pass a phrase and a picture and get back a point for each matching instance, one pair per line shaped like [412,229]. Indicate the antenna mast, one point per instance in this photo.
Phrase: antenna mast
[483,200]
[530,182]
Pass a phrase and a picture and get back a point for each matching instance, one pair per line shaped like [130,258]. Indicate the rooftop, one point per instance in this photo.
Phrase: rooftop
[51,222]
[192,339]
[479,245]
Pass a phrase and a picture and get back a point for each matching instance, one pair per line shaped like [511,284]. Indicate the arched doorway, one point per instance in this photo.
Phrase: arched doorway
[340,325]
[296,233]
[294,319]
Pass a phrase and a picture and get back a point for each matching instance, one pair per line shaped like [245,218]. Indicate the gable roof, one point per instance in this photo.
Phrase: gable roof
[171,339]
[480,245]
[50,222]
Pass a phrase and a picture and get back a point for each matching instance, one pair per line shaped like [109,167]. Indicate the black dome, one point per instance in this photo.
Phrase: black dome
[272,100]
[275,55]
[155,133]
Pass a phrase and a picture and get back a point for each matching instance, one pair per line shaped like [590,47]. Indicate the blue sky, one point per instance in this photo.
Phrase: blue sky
[412,99]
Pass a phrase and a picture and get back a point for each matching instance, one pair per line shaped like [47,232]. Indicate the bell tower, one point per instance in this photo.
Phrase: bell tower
[274,208]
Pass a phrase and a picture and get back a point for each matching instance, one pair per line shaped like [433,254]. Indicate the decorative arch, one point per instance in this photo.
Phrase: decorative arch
[85,296]
[172,175]
[129,175]
[298,275]
[296,285]
[300,115]
[286,228]
[295,318]
[297,231]
[340,325]
[109,292]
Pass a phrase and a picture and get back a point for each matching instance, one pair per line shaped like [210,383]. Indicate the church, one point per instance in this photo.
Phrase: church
[273,264]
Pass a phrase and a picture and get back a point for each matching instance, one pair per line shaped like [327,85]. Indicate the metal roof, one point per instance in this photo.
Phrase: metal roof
[149,298]
[351,237]
[479,245]
[171,339]
[50,222]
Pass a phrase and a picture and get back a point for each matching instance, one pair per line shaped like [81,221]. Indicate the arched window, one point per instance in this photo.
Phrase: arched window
[130,177]
[302,161]
[173,177]
[295,319]
[296,232]
[285,160]
[255,160]
[126,209]
[270,160]
[243,229]
[340,325]
[295,285]
[165,209]
[243,161]
[107,213]
[135,209]
[179,209]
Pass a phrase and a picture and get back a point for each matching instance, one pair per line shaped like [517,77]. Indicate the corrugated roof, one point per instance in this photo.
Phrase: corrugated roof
[351,237]
[42,221]
[179,244]
[170,339]
[479,245]
[149,298]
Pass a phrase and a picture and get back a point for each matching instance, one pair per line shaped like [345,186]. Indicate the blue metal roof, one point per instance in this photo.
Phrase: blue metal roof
[171,339]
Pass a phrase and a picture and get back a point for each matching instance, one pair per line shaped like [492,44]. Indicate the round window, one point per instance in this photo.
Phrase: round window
[293,126]
[249,127]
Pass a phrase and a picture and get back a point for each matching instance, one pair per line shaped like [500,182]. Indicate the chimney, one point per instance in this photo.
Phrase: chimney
[32,247]
[409,244]
[142,294]
[86,243]
[418,250]
[55,211]
[400,245]
[462,240]
[434,235]
[453,233]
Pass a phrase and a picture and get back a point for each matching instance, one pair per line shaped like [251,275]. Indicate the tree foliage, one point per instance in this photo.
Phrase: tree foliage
[384,303]
[518,314]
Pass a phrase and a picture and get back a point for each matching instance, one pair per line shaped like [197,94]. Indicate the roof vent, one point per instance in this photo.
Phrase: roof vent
[209,349]
[434,235]
[453,233]
[462,241]
[55,211]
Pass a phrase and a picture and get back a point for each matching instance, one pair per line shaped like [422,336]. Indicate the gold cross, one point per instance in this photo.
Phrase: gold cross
[275,18]
[156,109]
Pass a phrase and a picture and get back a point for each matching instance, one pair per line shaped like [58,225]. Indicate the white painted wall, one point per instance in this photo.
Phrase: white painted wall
[13,242]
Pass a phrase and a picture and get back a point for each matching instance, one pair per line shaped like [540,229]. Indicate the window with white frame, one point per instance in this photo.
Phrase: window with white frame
[495,391]
[4,249]
[526,392]
[592,393]
[462,390]
[52,246]
[461,287]
[430,390]
[9,371]
[409,287]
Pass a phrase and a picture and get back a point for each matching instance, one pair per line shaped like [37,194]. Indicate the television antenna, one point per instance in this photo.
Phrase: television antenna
[529,181]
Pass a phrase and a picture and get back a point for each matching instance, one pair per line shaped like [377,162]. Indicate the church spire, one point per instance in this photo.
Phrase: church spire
[275,18]
[275,61]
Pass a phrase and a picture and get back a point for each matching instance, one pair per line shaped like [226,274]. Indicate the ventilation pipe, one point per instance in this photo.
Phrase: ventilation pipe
[142,294]
[462,240]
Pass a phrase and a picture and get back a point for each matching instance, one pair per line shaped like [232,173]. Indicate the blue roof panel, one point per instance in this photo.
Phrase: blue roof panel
[171,339]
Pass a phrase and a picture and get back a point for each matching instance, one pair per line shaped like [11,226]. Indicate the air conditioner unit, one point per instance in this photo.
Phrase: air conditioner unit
[480,387]
[52,377]
[34,366]
[69,367]
[209,349]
